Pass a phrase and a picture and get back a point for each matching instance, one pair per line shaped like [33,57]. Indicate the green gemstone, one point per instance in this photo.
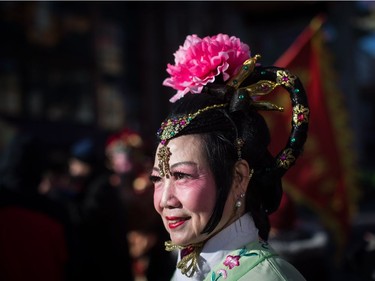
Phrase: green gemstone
[296,91]
[235,81]
[293,139]
[241,97]
[246,67]
[263,72]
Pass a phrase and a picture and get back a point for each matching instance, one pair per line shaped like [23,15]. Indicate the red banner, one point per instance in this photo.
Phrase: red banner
[323,178]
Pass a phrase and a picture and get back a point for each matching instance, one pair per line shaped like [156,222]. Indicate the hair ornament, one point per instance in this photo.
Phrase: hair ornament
[262,81]
[171,127]
[199,61]
[243,98]
[246,68]
[197,64]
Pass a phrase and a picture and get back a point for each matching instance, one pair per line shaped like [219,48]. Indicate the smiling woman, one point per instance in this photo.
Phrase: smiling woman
[191,185]
[215,180]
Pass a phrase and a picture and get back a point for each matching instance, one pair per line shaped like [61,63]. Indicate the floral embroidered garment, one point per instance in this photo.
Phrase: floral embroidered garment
[237,254]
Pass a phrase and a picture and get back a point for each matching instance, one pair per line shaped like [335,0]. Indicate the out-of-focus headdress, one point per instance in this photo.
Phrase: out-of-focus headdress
[123,141]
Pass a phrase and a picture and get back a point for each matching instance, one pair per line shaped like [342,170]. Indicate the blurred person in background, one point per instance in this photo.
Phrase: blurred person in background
[70,181]
[85,166]
[128,165]
[35,232]
[70,174]
[98,213]
[119,229]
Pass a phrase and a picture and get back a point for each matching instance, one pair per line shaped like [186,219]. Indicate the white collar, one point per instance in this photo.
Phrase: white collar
[235,236]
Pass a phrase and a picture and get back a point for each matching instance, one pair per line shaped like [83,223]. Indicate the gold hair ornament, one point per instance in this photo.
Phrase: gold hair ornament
[260,88]
[171,127]
[266,79]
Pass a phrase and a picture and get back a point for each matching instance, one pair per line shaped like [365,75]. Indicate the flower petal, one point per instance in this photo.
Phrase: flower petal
[199,61]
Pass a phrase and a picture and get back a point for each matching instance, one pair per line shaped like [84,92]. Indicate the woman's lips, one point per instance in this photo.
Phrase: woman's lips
[174,222]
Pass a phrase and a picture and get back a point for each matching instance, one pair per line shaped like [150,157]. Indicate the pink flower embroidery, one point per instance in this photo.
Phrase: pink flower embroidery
[199,61]
[222,273]
[232,261]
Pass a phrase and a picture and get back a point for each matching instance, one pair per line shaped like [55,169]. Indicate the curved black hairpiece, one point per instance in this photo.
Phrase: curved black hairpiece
[262,81]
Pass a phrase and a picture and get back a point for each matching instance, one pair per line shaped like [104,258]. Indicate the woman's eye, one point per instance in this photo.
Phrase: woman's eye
[155,179]
[179,175]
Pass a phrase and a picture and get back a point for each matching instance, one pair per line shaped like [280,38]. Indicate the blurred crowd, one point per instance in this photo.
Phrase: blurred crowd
[84,215]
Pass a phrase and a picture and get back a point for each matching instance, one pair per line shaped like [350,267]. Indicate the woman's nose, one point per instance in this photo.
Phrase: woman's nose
[169,199]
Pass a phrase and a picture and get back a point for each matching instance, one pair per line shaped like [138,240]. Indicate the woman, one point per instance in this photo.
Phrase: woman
[215,180]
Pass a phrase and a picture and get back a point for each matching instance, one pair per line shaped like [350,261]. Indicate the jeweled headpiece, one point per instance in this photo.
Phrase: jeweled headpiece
[170,128]
[200,61]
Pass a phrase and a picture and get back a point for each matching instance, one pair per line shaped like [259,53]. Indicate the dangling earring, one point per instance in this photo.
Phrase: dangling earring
[239,201]
[238,206]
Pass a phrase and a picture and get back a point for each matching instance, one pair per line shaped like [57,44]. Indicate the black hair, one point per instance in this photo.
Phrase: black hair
[218,129]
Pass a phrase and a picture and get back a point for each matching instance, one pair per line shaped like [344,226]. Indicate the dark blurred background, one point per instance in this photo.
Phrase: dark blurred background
[70,69]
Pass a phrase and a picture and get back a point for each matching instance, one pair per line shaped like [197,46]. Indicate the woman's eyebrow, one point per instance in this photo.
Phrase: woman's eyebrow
[189,163]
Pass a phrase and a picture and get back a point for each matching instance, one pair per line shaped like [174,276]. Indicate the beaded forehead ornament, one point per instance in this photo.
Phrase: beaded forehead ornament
[170,128]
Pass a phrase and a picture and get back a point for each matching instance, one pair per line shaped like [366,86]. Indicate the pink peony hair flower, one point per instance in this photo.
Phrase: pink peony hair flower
[199,61]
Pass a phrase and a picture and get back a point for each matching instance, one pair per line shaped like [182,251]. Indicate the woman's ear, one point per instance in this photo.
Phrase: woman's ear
[241,175]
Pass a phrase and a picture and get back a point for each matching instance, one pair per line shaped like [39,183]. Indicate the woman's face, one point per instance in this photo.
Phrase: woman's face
[186,198]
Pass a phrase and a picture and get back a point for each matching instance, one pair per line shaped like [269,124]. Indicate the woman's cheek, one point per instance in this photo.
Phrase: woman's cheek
[200,197]
[157,198]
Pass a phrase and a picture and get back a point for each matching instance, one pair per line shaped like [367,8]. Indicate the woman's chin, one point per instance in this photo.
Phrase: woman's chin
[179,241]
[184,241]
